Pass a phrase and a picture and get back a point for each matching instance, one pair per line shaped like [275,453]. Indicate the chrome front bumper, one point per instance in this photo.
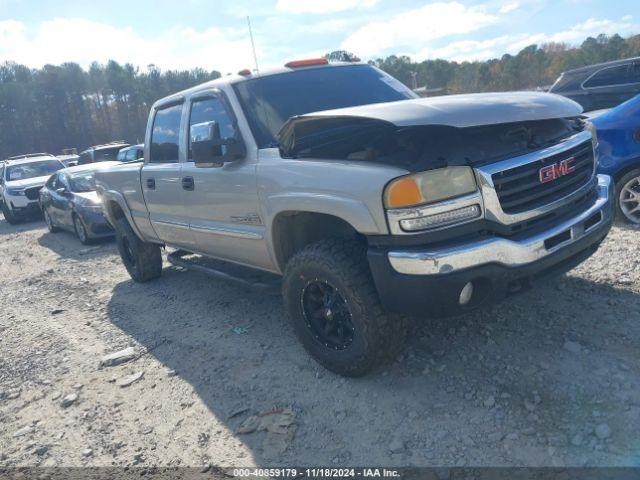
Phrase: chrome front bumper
[507,252]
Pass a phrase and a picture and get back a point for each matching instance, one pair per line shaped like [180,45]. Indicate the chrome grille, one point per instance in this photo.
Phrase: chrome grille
[519,189]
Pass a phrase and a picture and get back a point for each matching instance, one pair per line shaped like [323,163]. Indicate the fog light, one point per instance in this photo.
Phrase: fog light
[441,219]
[466,293]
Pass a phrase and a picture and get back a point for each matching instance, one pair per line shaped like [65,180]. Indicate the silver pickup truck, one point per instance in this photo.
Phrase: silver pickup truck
[365,202]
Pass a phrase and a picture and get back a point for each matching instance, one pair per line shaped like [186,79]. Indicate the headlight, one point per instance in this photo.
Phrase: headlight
[15,192]
[594,133]
[429,187]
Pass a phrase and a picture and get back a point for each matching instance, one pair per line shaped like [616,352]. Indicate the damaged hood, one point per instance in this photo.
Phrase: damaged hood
[426,133]
[461,110]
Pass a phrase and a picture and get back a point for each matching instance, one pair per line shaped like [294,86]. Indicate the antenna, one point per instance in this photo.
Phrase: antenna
[253,46]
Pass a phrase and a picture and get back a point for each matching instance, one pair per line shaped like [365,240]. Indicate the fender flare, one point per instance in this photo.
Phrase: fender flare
[109,196]
[354,212]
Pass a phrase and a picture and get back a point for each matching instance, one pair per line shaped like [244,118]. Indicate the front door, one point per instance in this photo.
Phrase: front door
[222,204]
[161,179]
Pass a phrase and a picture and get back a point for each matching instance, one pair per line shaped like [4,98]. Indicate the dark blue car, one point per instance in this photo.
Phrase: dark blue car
[619,138]
[69,202]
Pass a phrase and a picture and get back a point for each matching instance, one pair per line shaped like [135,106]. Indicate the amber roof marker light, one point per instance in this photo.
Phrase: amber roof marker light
[309,62]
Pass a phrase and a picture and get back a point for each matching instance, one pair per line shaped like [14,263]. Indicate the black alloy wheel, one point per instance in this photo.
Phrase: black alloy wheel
[327,315]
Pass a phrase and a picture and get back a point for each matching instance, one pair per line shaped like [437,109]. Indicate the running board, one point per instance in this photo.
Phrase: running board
[222,270]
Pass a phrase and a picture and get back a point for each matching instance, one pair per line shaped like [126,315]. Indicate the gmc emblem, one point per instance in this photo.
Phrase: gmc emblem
[557,170]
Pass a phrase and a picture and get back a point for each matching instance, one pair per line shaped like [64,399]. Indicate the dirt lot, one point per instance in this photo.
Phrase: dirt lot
[550,377]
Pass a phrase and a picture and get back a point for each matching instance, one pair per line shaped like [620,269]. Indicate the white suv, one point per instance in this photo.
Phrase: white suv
[21,179]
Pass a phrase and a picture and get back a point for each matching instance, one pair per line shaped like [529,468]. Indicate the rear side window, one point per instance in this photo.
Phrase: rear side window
[121,155]
[106,154]
[165,135]
[611,76]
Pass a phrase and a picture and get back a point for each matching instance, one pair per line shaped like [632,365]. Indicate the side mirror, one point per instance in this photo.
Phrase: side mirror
[209,149]
[62,191]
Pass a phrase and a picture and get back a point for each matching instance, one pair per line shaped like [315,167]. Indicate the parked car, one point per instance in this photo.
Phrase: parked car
[131,154]
[69,160]
[619,138]
[101,153]
[368,202]
[604,85]
[69,202]
[21,179]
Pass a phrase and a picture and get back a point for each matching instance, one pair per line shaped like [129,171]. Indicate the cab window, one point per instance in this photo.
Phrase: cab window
[165,135]
[131,154]
[121,155]
[207,110]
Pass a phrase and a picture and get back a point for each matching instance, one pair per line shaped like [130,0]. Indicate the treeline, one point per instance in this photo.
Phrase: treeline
[534,66]
[65,106]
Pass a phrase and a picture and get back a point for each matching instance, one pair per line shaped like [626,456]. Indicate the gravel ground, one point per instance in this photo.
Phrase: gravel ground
[550,377]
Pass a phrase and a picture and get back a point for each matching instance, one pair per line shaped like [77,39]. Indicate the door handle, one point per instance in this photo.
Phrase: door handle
[151,183]
[188,183]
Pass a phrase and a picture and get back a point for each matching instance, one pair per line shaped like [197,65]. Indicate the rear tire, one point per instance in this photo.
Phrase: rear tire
[143,260]
[9,216]
[328,290]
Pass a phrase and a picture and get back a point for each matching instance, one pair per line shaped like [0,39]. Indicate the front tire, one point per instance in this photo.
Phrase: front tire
[335,310]
[143,260]
[628,198]
[9,216]
[81,230]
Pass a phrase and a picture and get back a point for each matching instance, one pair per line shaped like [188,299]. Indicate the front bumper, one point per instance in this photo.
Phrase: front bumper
[429,281]
[22,206]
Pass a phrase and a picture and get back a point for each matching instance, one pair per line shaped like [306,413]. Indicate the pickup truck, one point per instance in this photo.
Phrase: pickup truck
[370,205]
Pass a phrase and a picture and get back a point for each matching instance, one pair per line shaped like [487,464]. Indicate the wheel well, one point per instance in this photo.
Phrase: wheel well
[629,168]
[115,210]
[294,230]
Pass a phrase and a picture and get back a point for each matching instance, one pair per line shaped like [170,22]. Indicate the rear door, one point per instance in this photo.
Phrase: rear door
[161,178]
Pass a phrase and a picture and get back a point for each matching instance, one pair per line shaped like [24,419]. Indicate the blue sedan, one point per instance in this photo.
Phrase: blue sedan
[619,137]
[69,202]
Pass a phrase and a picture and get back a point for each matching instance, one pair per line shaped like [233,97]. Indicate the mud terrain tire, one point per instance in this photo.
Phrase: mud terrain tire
[339,269]
[142,260]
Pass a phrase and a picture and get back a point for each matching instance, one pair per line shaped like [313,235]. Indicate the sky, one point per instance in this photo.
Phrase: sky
[213,34]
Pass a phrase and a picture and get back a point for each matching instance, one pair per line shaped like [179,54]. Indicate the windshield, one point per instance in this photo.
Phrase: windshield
[270,101]
[32,169]
[82,182]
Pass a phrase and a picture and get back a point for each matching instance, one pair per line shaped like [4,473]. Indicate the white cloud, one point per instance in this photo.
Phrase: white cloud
[322,6]
[417,26]
[470,50]
[83,41]
[509,7]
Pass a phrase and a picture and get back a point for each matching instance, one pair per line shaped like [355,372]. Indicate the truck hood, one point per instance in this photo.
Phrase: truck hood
[426,133]
[28,182]
[461,110]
